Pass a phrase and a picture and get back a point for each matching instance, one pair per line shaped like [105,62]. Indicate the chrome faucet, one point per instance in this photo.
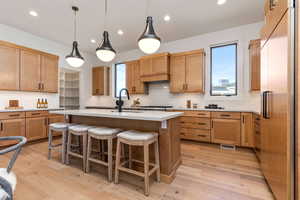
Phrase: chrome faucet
[120,102]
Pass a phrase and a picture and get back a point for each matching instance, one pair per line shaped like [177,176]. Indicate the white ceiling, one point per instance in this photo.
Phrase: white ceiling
[188,18]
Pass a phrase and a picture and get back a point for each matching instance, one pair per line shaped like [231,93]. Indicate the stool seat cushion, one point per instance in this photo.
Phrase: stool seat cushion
[60,125]
[137,135]
[104,131]
[80,128]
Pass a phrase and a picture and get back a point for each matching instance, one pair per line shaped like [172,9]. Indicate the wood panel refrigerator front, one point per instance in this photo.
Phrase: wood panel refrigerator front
[275,128]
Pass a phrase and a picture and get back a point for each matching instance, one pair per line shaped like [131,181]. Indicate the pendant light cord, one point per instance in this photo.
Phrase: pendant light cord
[105,16]
[75,26]
[147,7]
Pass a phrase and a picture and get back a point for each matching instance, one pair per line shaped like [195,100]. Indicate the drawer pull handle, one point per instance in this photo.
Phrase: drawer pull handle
[201,135]
[201,123]
[224,115]
[35,113]
[15,115]
[201,114]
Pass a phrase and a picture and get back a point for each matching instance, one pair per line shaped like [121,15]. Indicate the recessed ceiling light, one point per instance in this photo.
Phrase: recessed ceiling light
[33,13]
[93,41]
[120,32]
[167,18]
[221,2]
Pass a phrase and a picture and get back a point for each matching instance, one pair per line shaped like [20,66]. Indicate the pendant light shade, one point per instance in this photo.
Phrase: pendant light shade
[74,59]
[105,52]
[149,42]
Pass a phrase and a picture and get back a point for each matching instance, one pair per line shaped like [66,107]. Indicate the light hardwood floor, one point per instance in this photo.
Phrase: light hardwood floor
[207,173]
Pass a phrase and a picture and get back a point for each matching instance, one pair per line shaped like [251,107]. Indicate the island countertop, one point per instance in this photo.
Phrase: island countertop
[126,114]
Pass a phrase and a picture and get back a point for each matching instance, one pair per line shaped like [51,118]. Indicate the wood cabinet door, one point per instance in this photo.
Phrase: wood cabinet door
[160,65]
[49,73]
[226,131]
[146,67]
[30,71]
[247,130]
[97,80]
[11,127]
[195,73]
[139,86]
[54,119]
[254,58]
[177,74]
[276,127]
[36,128]
[9,68]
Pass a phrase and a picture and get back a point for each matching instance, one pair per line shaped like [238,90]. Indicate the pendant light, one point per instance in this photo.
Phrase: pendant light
[105,52]
[149,42]
[74,58]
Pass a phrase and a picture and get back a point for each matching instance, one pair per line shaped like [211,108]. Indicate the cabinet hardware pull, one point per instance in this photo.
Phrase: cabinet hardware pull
[35,113]
[39,86]
[201,123]
[14,115]
[224,115]
[201,114]
[1,126]
[201,135]
[243,119]
[212,124]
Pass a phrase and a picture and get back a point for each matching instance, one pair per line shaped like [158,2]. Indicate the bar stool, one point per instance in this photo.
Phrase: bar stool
[58,127]
[137,138]
[78,130]
[102,134]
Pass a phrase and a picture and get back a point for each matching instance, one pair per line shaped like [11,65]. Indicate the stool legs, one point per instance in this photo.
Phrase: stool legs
[89,152]
[130,156]
[110,161]
[64,146]
[49,143]
[146,168]
[118,159]
[84,151]
[157,164]
[68,148]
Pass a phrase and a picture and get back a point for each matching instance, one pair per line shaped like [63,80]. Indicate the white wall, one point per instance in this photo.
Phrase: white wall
[159,92]
[29,99]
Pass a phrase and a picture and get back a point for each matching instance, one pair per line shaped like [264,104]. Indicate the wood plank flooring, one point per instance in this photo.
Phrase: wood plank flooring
[207,173]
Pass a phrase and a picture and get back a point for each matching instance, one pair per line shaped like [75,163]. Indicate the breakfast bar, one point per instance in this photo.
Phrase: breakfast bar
[166,124]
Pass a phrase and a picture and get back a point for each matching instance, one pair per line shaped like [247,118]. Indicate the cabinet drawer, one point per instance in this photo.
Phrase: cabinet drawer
[203,114]
[12,115]
[226,115]
[195,134]
[195,122]
[42,113]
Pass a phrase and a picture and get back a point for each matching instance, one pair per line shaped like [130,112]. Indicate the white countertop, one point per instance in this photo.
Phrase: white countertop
[126,114]
[29,109]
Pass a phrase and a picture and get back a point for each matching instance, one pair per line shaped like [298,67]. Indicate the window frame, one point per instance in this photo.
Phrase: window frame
[115,77]
[236,69]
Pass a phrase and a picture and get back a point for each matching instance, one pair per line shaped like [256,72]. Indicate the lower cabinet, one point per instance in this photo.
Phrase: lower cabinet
[11,127]
[226,131]
[247,131]
[36,128]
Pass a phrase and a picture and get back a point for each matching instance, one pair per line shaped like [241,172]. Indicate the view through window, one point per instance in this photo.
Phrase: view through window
[120,78]
[223,71]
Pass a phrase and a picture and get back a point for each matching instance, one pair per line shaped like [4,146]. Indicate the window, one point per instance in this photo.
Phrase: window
[223,71]
[120,78]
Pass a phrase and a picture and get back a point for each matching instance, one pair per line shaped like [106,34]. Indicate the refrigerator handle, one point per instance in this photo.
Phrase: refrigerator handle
[268,96]
[264,104]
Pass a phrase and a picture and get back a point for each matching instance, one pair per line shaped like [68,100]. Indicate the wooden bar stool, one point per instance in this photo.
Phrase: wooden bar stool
[78,130]
[102,134]
[137,138]
[58,127]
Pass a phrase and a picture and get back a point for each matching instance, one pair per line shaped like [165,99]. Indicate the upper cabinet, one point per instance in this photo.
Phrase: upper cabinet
[274,11]
[254,58]
[30,76]
[26,69]
[100,82]
[155,67]
[133,78]
[187,70]
[9,67]
[49,73]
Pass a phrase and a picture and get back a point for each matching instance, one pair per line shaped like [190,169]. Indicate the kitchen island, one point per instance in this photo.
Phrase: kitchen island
[166,124]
